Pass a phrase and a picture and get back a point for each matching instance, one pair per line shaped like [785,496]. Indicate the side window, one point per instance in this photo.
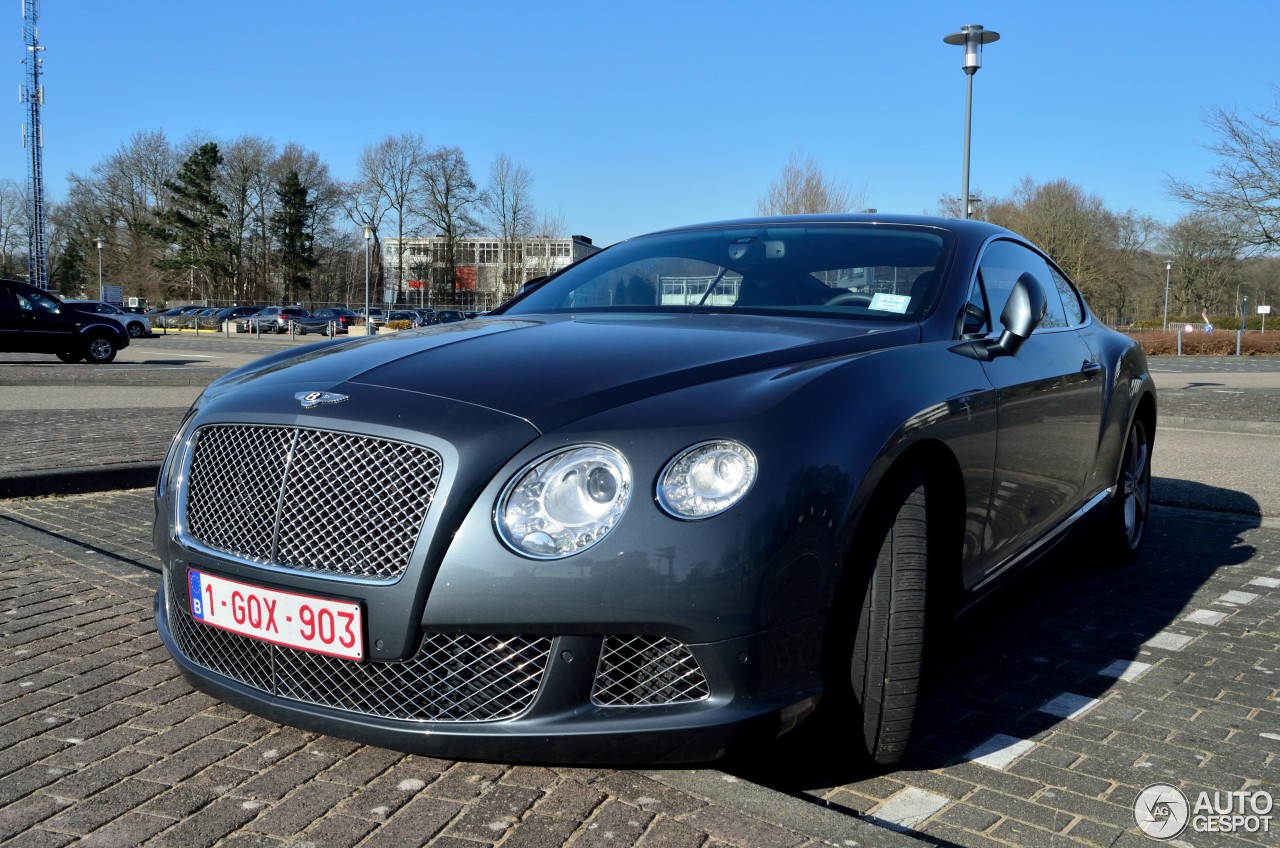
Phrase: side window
[1002,264]
[1070,299]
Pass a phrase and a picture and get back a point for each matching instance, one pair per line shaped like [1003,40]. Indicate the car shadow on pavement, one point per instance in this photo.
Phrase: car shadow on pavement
[1049,634]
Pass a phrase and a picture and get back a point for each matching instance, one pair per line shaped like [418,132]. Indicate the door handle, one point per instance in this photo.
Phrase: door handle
[1091,369]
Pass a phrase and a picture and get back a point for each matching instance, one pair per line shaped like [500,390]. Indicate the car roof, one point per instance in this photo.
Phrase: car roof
[969,227]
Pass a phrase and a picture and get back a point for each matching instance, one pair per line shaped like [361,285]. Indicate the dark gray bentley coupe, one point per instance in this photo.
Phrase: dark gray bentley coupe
[677,497]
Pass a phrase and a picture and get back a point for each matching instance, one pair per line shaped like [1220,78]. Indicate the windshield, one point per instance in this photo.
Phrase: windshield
[865,271]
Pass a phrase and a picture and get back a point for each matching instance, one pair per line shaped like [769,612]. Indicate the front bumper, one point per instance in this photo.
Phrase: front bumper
[544,694]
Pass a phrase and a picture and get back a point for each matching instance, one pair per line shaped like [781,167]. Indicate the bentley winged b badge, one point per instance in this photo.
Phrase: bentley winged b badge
[310,400]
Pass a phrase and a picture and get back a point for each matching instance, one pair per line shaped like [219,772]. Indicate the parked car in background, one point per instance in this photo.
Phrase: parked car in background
[134,324]
[276,319]
[448,316]
[204,319]
[345,317]
[376,315]
[236,313]
[316,324]
[173,317]
[34,321]
[698,487]
[412,317]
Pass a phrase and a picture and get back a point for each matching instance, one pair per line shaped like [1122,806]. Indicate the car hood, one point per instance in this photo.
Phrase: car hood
[550,370]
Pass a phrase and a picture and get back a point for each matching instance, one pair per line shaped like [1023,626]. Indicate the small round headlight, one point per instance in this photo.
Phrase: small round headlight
[707,479]
[563,503]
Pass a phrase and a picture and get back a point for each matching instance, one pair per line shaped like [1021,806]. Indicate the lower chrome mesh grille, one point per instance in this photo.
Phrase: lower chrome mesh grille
[646,671]
[312,500]
[451,678]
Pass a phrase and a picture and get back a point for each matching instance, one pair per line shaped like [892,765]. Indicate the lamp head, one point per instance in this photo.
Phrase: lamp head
[972,37]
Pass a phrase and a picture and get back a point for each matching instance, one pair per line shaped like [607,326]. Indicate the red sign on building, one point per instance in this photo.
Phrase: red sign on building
[466,278]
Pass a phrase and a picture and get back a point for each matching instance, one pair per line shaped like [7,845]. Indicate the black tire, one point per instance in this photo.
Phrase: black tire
[99,350]
[876,646]
[70,356]
[1127,515]
[135,330]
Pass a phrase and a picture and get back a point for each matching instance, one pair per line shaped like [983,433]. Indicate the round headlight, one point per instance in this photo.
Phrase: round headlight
[707,479]
[564,503]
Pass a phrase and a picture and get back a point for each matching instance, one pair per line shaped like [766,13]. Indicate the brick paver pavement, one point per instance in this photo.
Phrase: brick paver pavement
[103,743]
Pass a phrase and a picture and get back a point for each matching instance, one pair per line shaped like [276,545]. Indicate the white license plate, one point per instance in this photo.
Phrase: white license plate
[319,625]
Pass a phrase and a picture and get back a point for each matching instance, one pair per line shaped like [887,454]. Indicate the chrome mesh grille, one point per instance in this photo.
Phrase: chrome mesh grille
[311,500]
[645,671]
[456,678]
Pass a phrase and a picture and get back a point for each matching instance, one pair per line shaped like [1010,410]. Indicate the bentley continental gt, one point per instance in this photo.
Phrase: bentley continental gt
[671,501]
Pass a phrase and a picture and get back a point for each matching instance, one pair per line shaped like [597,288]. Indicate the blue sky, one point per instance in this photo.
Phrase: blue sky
[636,116]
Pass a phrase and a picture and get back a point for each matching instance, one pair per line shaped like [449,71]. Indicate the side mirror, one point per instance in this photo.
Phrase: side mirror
[1022,313]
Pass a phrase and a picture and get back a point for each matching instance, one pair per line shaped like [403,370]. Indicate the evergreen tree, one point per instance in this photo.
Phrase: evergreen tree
[296,243]
[195,223]
[67,271]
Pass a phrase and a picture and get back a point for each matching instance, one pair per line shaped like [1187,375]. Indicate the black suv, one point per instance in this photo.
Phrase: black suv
[34,321]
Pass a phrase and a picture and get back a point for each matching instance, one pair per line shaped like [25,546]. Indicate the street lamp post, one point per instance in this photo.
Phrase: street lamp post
[368,319]
[972,37]
[100,242]
[1168,267]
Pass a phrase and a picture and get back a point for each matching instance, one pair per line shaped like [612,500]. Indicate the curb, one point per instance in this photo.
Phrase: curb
[79,481]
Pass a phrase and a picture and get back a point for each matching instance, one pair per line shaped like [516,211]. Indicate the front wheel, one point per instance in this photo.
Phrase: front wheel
[135,330]
[100,350]
[876,643]
[1127,517]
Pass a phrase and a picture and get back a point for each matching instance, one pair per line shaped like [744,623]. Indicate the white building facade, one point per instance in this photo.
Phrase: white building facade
[487,274]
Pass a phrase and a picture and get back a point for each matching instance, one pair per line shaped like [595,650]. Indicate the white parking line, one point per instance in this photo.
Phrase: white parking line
[1068,705]
[1204,616]
[1125,670]
[906,809]
[1168,640]
[183,355]
[999,751]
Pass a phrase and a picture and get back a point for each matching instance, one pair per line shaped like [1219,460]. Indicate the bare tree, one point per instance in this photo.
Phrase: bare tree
[122,199]
[550,225]
[450,196]
[803,188]
[365,206]
[394,168]
[1072,226]
[1204,250]
[1244,187]
[248,191]
[508,208]
[13,232]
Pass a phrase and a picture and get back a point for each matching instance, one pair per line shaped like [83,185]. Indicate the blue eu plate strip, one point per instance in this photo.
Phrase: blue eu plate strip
[197,604]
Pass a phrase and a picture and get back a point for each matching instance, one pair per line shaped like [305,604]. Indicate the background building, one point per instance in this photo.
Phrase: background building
[485,274]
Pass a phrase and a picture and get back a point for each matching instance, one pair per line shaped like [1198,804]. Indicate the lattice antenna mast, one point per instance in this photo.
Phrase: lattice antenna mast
[32,94]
